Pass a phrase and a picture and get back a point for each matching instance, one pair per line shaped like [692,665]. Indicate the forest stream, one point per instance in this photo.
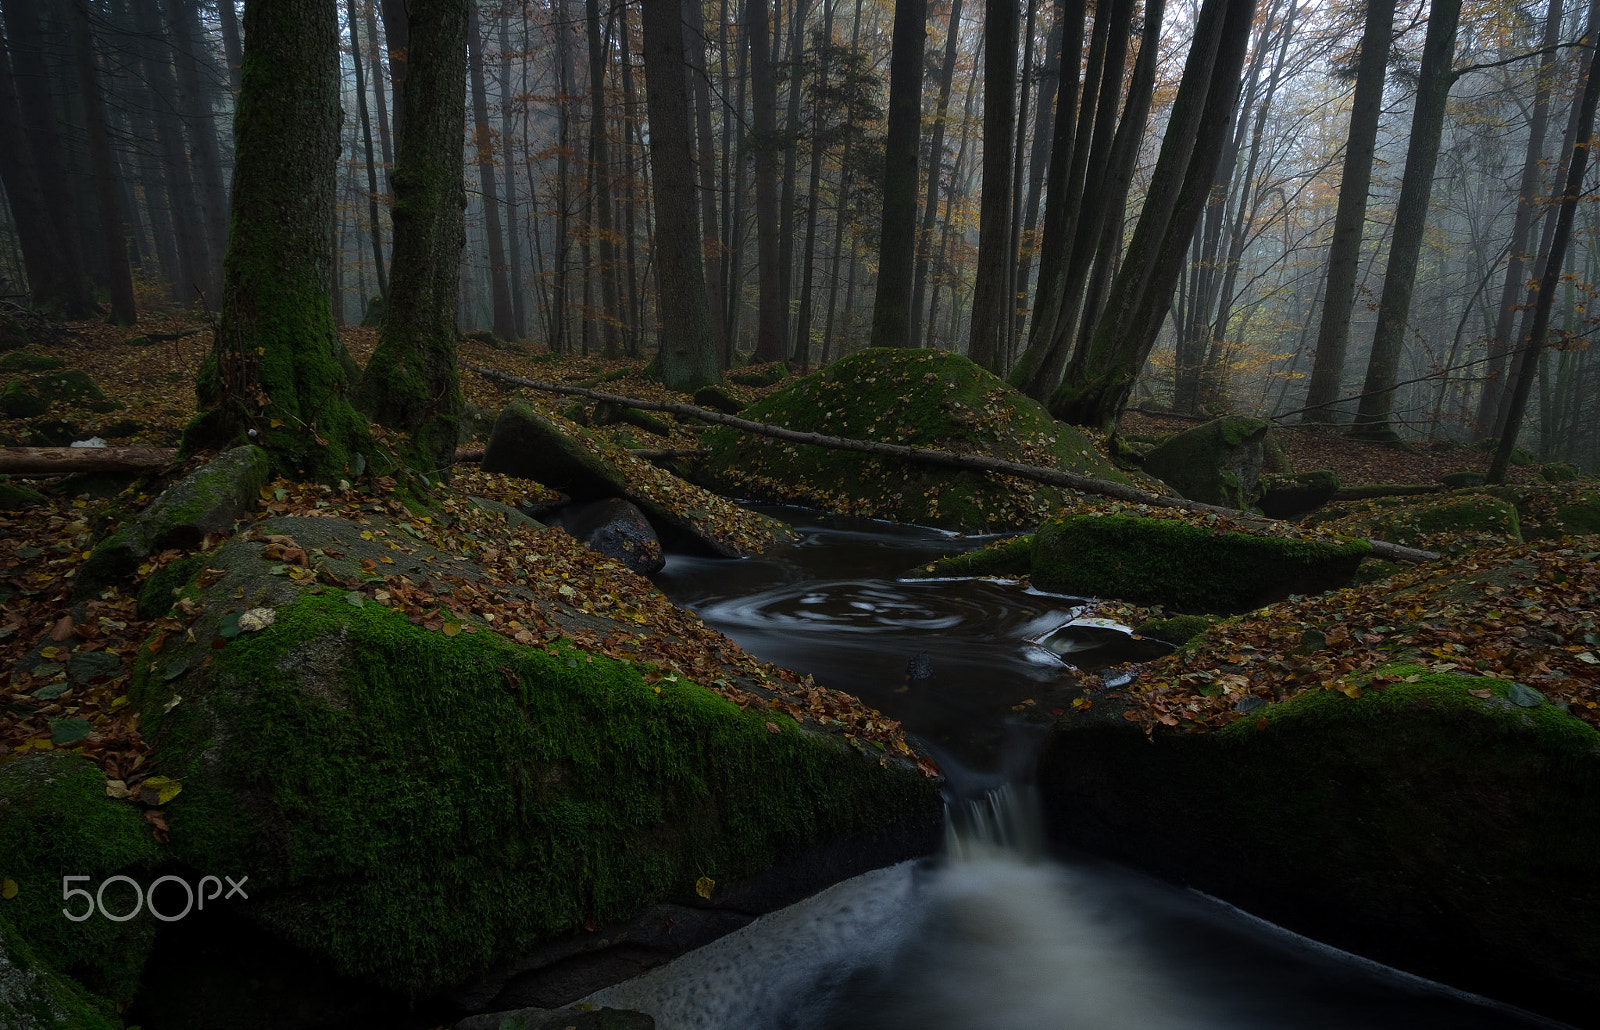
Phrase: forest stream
[1000,931]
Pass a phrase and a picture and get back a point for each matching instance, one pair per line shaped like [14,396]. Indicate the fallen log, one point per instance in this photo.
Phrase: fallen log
[52,461]
[932,456]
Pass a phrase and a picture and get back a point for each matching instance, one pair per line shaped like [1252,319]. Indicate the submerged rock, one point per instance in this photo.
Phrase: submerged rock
[916,398]
[1217,463]
[616,529]
[1448,834]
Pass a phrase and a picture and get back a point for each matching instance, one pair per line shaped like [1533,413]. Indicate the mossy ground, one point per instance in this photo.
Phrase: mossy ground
[916,398]
[415,819]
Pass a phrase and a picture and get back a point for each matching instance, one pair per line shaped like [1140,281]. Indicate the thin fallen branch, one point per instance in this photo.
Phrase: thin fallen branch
[932,456]
[50,461]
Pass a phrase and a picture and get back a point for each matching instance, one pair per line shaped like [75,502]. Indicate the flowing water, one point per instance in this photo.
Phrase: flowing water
[993,934]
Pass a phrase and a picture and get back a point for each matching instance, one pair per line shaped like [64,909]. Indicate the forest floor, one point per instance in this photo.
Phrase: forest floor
[41,545]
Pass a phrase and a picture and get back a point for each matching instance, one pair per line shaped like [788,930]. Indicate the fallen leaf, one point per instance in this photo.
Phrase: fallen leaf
[704,886]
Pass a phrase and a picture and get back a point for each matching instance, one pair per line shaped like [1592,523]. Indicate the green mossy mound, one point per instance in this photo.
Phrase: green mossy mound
[35,997]
[1457,517]
[13,497]
[915,398]
[413,807]
[372,318]
[1179,629]
[22,361]
[1441,832]
[12,334]
[1183,566]
[1552,510]
[1012,556]
[1217,463]
[31,396]
[1550,472]
[57,821]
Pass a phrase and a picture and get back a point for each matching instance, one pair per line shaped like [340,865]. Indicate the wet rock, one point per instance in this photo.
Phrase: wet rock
[562,1019]
[1420,825]
[1216,463]
[617,530]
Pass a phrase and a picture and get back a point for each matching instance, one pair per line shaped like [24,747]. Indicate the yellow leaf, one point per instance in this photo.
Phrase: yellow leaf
[366,534]
[452,629]
[261,350]
[276,423]
[8,888]
[704,886]
[117,789]
[166,789]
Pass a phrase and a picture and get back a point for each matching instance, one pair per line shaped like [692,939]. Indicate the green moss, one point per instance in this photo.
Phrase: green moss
[918,398]
[1168,562]
[373,316]
[1217,463]
[158,593]
[1012,556]
[414,818]
[1464,516]
[32,995]
[32,396]
[13,497]
[59,822]
[1457,480]
[22,361]
[1180,629]
[1550,472]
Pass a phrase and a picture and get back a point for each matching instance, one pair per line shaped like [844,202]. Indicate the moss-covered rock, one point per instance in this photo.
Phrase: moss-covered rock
[414,807]
[57,821]
[32,396]
[35,997]
[1283,496]
[1437,830]
[770,374]
[23,361]
[566,457]
[1452,519]
[208,500]
[1459,480]
[1183,566]
[916,398]
[13,496]
[372,318]
[1217,463]
[1559,472]
[12,334]
[1012,556]
[1179,629]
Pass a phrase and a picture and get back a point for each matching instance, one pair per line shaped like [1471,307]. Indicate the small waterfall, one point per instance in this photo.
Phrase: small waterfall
[1006,940]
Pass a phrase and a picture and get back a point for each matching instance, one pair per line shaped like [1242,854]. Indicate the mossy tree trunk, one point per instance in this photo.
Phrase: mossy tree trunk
[687,356]
[412,383]
[274,373]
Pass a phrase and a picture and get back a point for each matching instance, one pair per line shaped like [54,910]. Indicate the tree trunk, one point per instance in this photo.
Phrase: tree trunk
[1049,82]
[412,383]
[1102,374]
[397,40]
[897,237]
[991,299]
[505,324]
[47,268]
[791,149]
[560,307]
[205,154]
[228,19]
[610,318]
[519,315]
[1411,213]
[634,328]
[372,170]
[64,290]
[105,172]
[274,368]
[686,358]
[770,333]
[930,209]
[1550,280]
[385,146]
[706,155]
[1527,211]
[1349,221]
[802,333]
[839,211]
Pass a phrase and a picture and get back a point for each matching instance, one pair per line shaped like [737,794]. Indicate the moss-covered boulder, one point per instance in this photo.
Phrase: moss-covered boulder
[564,456]
[13,336]
[56,820]
[1182,565]
[208,500]
[372,318]
[916,398]
[32,396]
[1217,463]
[418,805]
[1012,556]
[24,361]
[1559,472]
[1285,495]
[35,997]
[1444,825]
[1450,520]
[13,496]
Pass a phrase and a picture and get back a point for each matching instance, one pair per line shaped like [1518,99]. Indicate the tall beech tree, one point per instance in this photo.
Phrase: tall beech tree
[1411,213]
[992,298]
[1102,373]
[897,236]
[770,331]
[505,323]
[274,373]
[1349,220]
[412,383]
[687,356]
